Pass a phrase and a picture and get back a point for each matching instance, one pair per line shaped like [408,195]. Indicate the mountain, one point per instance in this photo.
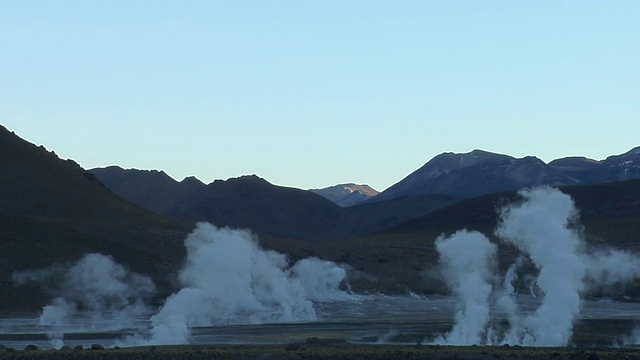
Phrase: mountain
[345,195]
[244,202]
[151,189]
[614,168]
[404,257]
[610,213]
[54,211]
[254,203]
[475,173]
[268,210]
[369,218]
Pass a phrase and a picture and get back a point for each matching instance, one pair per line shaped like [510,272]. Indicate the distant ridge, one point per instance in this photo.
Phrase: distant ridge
[614,168]
[252,202]
[52,211]
[475,173]
[345,195]
[152,189]
[480,172]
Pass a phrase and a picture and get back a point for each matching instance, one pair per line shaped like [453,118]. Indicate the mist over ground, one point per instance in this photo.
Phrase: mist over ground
[228,279]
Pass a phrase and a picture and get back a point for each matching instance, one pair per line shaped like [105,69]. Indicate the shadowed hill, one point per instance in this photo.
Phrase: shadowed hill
[54,211]
[151,189]
[252,202]
[603,209]
[475,174]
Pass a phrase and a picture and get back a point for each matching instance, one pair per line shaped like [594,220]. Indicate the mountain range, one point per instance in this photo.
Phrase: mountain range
[254,203]
[479,172]
[351,210]
[54,211]
[464,175]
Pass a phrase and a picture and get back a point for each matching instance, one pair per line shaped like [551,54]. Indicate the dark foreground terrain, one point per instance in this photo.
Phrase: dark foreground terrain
[314,348]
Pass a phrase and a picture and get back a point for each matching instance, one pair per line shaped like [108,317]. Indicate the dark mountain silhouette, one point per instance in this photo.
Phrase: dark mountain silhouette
[151,189]
[267,209]
[609,211]
[614,168]
[474,174]
[479,173]
[369,218]
[245,202]
[54,211]
[252,202]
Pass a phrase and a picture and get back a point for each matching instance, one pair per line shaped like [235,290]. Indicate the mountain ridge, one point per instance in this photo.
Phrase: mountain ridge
[349,194]
[52,211]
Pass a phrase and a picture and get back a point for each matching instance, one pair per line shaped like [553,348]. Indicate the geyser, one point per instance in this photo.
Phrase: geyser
[229,279]
[95,293]
[467,260]
[543,228]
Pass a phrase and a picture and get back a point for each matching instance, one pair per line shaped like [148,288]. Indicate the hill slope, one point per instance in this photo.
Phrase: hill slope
[53,211]
[603,207]
[252,202]
[474,174]
[151,189]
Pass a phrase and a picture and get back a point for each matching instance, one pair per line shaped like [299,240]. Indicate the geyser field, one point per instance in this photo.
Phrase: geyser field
[233,291]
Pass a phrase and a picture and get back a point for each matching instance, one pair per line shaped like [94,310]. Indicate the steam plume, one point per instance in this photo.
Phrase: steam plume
[467,258]
[543,228]
[229,279]
[96,292]
[539,227]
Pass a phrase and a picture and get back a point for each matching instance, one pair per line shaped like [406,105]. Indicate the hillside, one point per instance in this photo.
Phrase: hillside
[480,172]
[601,206]
[252,202]
[151,189]
[475,174]
[54,211]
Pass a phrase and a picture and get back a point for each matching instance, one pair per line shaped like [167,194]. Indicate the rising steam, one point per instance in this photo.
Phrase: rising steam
[467,265]
[543,229]
[95,293]
[229,279]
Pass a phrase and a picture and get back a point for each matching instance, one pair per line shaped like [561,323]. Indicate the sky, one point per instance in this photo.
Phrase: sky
[312,94]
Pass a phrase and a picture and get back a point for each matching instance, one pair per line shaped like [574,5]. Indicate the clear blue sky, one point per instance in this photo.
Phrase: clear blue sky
[311,94]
